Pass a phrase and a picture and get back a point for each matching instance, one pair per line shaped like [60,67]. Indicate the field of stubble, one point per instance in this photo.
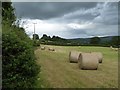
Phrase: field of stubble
[57,72]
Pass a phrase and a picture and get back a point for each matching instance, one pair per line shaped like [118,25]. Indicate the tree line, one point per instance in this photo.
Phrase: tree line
[94,41]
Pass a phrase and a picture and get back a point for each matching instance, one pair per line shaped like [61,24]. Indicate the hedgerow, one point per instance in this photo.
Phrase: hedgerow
[19,67]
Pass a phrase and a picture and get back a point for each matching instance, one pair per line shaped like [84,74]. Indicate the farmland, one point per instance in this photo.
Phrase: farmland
[57,72]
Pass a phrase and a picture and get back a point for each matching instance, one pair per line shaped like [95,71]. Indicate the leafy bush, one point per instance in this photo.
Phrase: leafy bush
[18,60]
[36,43]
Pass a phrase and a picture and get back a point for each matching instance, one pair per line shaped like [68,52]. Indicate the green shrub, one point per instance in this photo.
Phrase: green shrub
[36,43]
[18,60]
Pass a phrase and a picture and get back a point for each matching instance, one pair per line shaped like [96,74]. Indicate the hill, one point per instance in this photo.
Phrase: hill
[87,40]
[56,40]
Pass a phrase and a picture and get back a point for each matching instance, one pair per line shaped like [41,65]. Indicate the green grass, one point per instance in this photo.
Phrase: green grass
[57,72]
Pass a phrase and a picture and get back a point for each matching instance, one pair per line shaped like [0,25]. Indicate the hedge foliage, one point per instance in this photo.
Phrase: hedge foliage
[19,67]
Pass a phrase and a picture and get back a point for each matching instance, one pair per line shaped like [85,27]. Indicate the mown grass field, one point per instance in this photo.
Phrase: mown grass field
[57,72]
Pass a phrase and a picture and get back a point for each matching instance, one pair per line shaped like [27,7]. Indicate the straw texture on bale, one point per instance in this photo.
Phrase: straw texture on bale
[73,57]
[99,55]
[111,48]
[51,49]
[42,48]
[88,61]
[116,49]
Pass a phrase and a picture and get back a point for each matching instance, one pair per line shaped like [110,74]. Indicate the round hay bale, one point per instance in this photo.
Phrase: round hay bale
[116,49]
[111,47]
[51,49]
[88,61]
[73,57]
[99,55]
[42,48]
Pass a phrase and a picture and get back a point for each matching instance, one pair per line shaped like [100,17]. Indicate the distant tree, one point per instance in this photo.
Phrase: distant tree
[45,37]
[8,14]
[35,36]
[36,41]
[49,38]
[115,41]
[54,38]
[95,40]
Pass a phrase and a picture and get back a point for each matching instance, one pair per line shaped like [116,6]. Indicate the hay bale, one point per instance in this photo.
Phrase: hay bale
[42,48]
[73,57]
[111,47]
[88,61]
[99,55]
[116,49]
[51,49]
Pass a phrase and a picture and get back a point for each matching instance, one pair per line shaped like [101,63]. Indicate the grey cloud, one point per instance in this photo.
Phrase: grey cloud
[103,30]
[80,18]
[108,14]
[97,12]
[77,31]
[47,10]
[103,16]
[84,15]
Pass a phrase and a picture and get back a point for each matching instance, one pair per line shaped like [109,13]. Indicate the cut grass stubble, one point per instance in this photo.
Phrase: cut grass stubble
[57,72]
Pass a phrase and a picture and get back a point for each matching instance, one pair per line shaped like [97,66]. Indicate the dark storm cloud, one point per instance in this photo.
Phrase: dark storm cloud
[47,10]
[108,14]
[81,17]
[78,19]
[102,13]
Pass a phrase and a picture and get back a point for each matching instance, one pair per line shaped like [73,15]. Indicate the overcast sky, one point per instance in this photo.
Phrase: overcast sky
[69,19]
